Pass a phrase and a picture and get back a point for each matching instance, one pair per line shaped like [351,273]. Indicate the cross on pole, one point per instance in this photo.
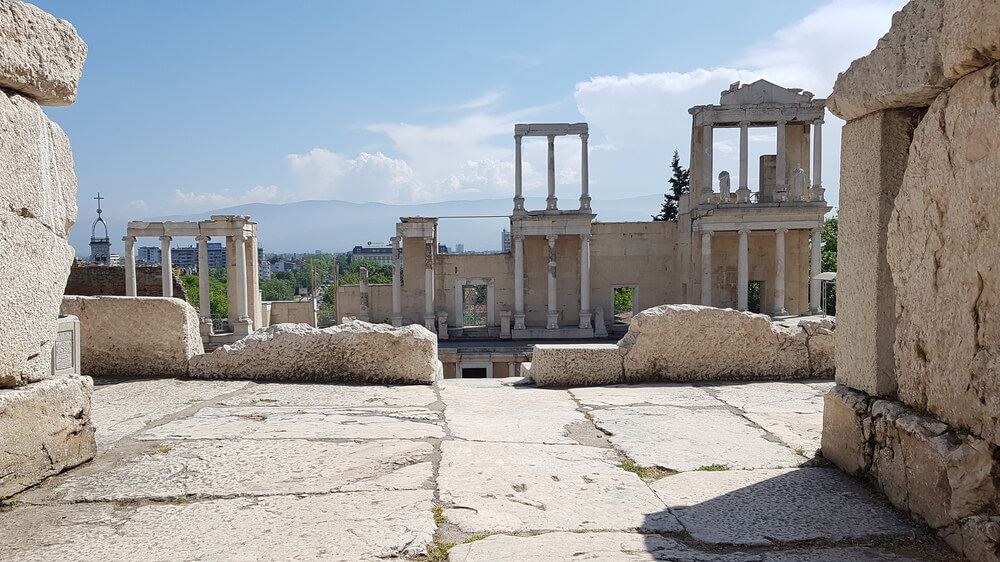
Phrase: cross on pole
[99,198]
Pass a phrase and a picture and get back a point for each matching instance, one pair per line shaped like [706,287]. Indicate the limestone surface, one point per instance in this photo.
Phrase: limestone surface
[565,365]
[847,431]
[646,395]
[135,336]
[761,507]
[943,247]
[482,413]
[969,36]
[329,395]
[627,547]
[42,55]
[37,210]
[45,429]
[353,351]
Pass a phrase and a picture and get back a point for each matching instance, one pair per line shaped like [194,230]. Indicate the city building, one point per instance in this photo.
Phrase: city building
[378,253]
[148,254]
[505,241]
[100,244]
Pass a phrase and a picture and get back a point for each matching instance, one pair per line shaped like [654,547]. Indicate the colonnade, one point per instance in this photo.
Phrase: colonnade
[552,306]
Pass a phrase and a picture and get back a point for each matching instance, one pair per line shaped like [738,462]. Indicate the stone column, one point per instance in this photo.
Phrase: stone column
[429,283]
[550,201]
[585,281]
[706,268]
[708,151]
[742,271]
[130,289]
[204,286]
[518,197]
[817,183]
[397,290]
[779,271]
[780,178]
[166,266]
[552,310]
[364,313]
[816,264]
[241,278]
[744,155]
[518,281]
[584,173]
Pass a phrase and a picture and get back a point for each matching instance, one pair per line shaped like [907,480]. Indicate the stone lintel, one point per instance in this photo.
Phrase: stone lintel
[548,129]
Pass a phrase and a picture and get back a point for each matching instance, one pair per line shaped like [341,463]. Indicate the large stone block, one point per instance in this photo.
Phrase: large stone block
[847,430]
[354,351]
[42,55]
[37,210]
[943,246]
[690,342]
[45,428]
[135,336]
[584,364]
[970,36]
[873,160]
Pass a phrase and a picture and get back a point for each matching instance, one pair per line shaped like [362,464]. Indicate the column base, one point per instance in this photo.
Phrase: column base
[519,321]
[584,320]
[551,204]
[743,195]
[585,203]
[429,323]
[780,312]
[817,194]
[397,320]
[518,204]
[707,196]
[442,325]
[505,324]
[243,327]
[552,321]
[205,327]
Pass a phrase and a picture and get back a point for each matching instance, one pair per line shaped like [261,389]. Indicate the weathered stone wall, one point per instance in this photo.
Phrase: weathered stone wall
[91,280]
[918,400]
[135,336]
[45,422]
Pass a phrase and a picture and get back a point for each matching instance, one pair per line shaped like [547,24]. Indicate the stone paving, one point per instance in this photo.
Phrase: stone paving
[235,470]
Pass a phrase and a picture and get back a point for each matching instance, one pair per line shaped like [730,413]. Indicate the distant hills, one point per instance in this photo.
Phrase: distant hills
[338,226]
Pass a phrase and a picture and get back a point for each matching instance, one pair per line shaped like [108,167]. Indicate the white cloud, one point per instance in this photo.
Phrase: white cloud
[138,207]
[482,101]
[369,177]
[190,201]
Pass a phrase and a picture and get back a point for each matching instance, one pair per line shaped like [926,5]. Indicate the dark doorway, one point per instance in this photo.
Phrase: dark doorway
[755,292]
[473,372]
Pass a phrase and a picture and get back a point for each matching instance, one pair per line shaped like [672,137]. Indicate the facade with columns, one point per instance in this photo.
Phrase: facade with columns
[240,235]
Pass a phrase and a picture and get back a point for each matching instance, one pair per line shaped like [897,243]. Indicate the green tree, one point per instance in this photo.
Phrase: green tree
[680,183]
[277,289]
[377,274]
[217,299]
[828,256]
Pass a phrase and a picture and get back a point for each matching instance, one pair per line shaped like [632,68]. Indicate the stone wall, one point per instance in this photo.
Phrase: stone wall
[91,279]
[917,406]
[45,422]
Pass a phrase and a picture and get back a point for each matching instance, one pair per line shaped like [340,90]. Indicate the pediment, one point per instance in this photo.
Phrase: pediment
[763,92]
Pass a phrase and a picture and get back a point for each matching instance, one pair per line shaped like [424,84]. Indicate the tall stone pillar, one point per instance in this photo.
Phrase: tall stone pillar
[584,173]
[779,271]
[552,310]
[429,283]
[706,268]
[241,278]
[816,264]
[130,288]
[518,281]
[781,178]
[397,299]
[364,312]
[551,201]
[585,281]
[518,197]
[742,271]
[166,266]
[817,191]
[204,286]
[744,155]
[708,152]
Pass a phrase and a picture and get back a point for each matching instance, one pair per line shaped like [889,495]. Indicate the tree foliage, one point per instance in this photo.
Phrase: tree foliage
[377,274]
[828,255]
[680,183]
[217,298]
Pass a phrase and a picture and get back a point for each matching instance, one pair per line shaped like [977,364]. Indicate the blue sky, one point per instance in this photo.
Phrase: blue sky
[186,107]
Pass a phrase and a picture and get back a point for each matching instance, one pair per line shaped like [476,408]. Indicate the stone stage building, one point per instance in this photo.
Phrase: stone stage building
[560,277]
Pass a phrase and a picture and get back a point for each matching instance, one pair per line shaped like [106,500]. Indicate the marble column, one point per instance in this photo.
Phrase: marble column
[780,177]
[814,270]
[364,314]
[585,281]
[551,201]
[204,286]
[518,281]
[166,266]
[742,271]
[584,173]
[397,290]
[706,268]
[817,181]
[552,310]
[429,284]
[130,289]
[744,155]
[708,151]
[779,271]
[241,278]
[518,197]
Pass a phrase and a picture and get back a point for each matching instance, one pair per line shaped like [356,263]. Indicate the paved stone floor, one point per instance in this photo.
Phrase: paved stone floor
[231,470]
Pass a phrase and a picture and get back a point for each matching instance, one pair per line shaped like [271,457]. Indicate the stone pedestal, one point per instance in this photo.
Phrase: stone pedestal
[505,324]
[442,330]
[66,351]
[518,321]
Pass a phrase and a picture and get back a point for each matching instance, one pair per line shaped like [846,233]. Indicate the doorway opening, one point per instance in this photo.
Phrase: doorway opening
[755,294]
[474,305]
[625,298]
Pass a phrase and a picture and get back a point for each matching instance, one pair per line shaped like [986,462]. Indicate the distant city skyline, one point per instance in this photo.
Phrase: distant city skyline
[407,103]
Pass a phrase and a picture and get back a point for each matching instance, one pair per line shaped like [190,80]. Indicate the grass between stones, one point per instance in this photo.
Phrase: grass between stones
[159,451]
[9,503]
[645,472]
[438,512]
[713,468]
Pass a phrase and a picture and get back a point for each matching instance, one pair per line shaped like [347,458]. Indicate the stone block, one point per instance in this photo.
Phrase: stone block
[46,429]
[873,160]
[353,351]
[576,364]
[822,346]
[846,430]
[135,336]
[980,538]
[969,38]
[66,350]
[42,55]
[904,69]
[37,210]
[943,246]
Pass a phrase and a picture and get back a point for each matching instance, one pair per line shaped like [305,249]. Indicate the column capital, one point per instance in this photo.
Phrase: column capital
[552,239]
[782,122]
[203,238]
[428,240]
[819,121]
[782,230]
[586,236]
[584,136]
[518,237]
[817,230]
[241,237]
[166,238]
[744,123]
[552,139]
[744,231]
[128,239]
[517,138]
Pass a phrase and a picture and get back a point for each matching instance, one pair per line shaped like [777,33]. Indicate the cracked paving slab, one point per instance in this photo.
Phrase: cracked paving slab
[306,422]
[643,394]
[497,412]
[682,439]
[530,487]
[232,468]
[764,507]
[349,526]
[328,395]
[777,396]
